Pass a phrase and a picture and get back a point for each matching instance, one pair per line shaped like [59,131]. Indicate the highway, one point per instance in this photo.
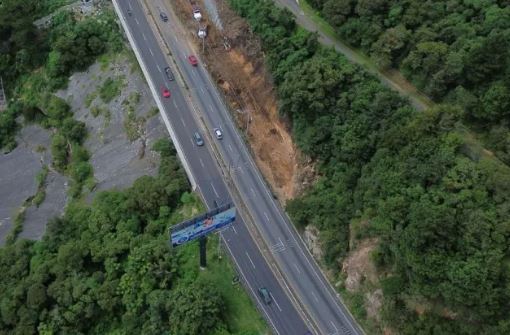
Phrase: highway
[300,271]
[301,274]
[202,169]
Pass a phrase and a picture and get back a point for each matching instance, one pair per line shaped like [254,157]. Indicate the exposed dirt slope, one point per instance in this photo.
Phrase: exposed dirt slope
[239,71]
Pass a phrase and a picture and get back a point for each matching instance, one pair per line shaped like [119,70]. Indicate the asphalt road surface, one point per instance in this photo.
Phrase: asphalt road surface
[255,272]
[299,269]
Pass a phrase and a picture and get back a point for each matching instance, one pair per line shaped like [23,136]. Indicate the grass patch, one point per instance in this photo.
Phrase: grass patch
[41,186]
[18,225]
[111,88]
[153,112]
[133,125]
[316,17]
[98,110]
[90,97]
[40,148]
[241,316]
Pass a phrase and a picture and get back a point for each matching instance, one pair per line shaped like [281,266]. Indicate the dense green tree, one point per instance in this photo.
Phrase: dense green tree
[435,202]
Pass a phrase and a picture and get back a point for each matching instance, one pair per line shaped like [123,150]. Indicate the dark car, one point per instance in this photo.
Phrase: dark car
[169,74]
[265,295]
[198,139]
[163,16]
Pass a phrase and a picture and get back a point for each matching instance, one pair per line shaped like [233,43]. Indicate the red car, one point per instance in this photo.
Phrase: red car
[193,60]
[165,92]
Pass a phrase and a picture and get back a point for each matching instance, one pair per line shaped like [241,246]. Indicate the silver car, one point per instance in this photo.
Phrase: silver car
[218,133]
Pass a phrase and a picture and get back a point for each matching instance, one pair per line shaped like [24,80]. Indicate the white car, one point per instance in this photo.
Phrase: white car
[218,133]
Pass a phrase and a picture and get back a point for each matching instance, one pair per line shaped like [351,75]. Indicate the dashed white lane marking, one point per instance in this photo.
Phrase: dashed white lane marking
[214,190]
[230,147]
[137,22]
[159,69]
[297,269]
[202,163]
[183,123]
[315,297]
[234,229]
[144,37]
[150,50]
[267,216]
[253,192]
[252,264]
[175,105]
[276,302]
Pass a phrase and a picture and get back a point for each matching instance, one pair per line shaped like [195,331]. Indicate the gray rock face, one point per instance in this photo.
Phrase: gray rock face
[117,160]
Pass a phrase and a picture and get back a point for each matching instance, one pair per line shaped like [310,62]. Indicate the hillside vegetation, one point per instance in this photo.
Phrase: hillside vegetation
[455,51]
[107,268]
[436,202]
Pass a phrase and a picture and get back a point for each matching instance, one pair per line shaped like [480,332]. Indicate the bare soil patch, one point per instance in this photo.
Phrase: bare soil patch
[240,73]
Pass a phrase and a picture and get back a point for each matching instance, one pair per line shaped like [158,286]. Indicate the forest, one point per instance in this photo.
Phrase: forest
[455,51]
[107,268]
[437,202]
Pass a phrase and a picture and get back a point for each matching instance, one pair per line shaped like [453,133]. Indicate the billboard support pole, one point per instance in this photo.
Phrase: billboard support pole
[203,252]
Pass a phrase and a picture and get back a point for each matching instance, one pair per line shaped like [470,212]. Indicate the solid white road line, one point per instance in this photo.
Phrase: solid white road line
[336,329]
[252,264]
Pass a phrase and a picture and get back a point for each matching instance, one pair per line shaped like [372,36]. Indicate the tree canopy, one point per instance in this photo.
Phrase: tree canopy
[108,268]
[437,203]
[455,51]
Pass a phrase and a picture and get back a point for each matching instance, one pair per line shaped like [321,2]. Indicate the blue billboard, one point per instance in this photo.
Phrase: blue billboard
[202,225]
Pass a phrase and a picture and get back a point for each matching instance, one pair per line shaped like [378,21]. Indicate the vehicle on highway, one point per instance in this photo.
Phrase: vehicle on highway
[218,133]
[264,295]
[163,16]
[169,74]
[198,139]
[193,60]
[129,12]
[165,92]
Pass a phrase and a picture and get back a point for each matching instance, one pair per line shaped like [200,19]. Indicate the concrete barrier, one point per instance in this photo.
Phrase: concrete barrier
[156,96]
